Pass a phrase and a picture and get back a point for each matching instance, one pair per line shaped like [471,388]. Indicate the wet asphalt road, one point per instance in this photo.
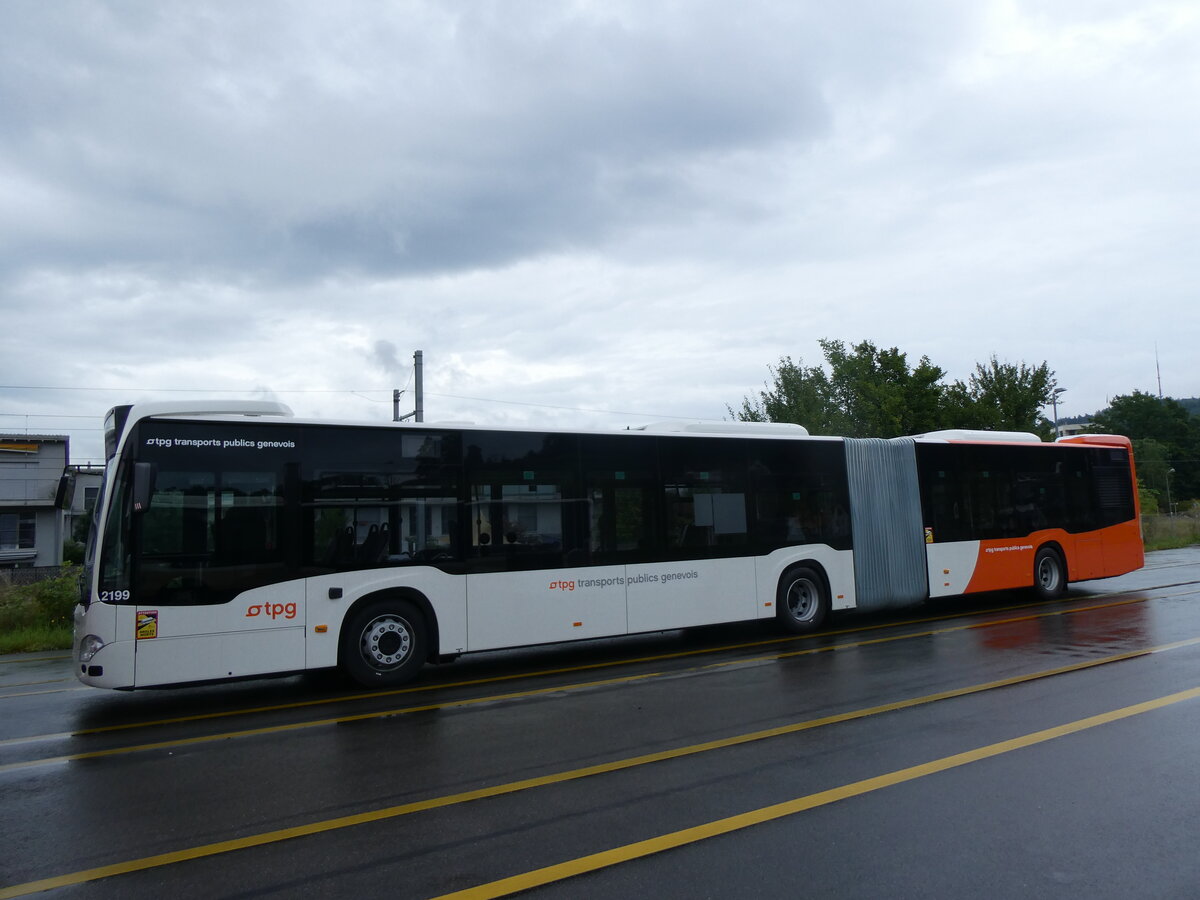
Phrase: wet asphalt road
[986,747]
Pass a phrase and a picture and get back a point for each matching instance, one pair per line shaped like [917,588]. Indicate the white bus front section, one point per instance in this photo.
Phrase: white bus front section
[260,632]
[281,628]
[104,645]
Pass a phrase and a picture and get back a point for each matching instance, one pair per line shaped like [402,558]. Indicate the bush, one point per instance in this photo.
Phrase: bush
[49,603]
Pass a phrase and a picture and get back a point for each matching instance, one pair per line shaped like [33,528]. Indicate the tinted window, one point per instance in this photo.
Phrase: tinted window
[621,483]
[704,494]
[525,508]
[972,492]
[799,494]
[1112,485]
[379,497]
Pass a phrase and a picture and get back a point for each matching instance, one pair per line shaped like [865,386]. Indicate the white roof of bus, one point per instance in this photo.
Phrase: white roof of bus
[233,410]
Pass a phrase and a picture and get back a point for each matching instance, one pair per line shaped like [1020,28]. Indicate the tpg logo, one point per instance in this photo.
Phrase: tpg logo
[274,610]
[562,585]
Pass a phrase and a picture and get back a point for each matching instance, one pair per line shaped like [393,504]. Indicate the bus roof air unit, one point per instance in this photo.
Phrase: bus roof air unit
[975,435]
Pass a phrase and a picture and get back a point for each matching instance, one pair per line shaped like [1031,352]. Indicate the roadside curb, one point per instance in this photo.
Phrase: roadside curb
[41,656]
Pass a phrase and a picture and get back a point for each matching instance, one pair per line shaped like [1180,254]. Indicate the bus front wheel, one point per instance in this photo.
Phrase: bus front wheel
[803,601]
[1049,574]
[384,643]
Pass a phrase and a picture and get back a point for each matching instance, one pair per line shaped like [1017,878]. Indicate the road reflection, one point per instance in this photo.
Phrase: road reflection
[1122,626]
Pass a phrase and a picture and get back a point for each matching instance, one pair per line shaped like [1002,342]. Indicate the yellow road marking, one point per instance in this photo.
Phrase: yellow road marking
[297,726]
[391,812]
[639,849]
[517,695]
[565,670]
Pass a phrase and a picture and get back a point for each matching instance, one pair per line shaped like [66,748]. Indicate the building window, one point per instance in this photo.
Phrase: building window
[17,531]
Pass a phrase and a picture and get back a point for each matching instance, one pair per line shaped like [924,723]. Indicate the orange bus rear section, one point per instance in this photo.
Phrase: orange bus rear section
[1005,563]
[1008,562]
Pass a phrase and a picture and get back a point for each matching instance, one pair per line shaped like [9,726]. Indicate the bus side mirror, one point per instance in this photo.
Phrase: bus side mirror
[143,485]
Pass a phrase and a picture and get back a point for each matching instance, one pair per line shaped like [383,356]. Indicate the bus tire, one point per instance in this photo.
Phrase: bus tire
[384,643]
[1049,574]
[802,603]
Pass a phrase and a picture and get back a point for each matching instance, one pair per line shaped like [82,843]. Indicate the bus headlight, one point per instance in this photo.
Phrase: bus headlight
[89,647]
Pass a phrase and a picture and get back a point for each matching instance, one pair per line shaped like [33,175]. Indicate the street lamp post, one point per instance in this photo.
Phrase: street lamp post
[1170,505]
[1054,395]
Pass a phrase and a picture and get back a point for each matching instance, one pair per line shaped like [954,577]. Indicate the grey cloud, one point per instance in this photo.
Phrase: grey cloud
[383,354]
[417,139]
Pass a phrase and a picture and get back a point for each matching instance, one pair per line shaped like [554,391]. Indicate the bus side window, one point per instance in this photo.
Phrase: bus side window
[1075,483]
[799,495]
[619,523]
[621,483]
[524,501]
[1111,485]
[705,497]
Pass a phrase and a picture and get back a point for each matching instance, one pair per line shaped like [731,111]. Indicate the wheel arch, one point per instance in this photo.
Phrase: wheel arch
[805,564]
[411,595]
[1062,556]
[808,619]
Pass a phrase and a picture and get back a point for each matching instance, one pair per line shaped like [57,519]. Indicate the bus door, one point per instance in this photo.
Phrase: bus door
[212,590]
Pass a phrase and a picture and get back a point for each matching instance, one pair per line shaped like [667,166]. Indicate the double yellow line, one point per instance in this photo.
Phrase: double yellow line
[664,842]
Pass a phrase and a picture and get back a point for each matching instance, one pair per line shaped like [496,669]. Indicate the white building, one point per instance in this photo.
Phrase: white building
[1069,430]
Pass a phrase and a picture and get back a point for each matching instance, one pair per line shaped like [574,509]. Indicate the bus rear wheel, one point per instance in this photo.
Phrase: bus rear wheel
[384,643]
[1049,574]
[802,603]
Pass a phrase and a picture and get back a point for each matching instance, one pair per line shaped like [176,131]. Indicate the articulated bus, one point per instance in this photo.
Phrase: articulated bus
[235,540]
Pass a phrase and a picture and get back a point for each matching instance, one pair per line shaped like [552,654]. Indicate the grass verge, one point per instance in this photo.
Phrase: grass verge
[34,639]
[37,617]
[1170,532]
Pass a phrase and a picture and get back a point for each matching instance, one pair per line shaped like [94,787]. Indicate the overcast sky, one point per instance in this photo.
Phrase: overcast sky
[585,214]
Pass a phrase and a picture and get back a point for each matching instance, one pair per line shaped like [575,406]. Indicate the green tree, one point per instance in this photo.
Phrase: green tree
[1166,441]
[865,391]
[1141,415]
[1147,499]
[1003,397]
[797,394]
[1153,468]
[878,395]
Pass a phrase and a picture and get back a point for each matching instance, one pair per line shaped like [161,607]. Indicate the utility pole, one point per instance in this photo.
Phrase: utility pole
[418,414]
[1158,370]
[1054,395]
